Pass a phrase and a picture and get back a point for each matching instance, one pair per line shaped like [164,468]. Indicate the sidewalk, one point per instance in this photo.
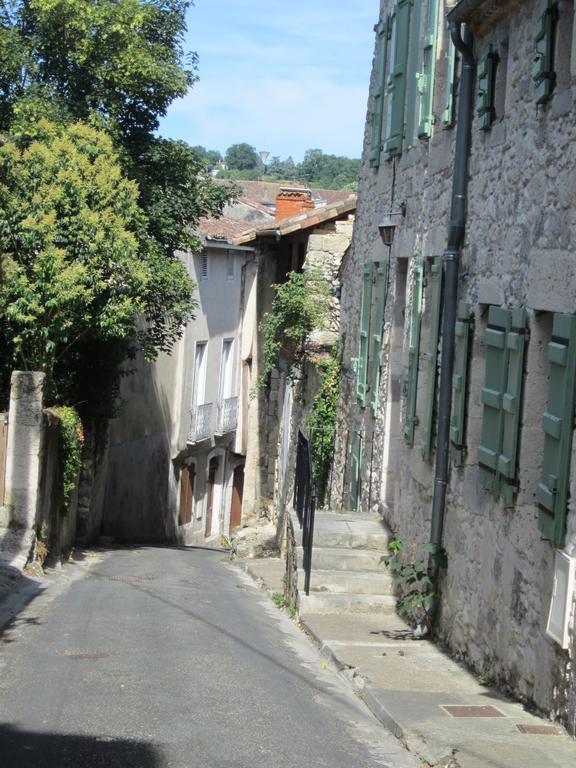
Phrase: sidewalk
[432,704]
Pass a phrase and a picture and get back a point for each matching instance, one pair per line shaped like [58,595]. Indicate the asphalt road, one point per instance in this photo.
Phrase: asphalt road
[172,658]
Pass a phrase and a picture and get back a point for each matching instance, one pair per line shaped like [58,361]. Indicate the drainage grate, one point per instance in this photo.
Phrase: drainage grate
[130,579]
[540,730]
[471,710]
[85,655]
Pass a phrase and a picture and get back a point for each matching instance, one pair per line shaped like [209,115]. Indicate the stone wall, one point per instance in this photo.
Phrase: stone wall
[519,251]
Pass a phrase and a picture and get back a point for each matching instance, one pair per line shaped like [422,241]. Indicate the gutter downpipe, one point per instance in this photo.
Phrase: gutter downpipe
[463,41]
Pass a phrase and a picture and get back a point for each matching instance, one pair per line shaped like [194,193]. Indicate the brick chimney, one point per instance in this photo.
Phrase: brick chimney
[290,201]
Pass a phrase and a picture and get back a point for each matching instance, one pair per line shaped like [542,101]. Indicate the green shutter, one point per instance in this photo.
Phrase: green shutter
[486,83]
[448,113]
[411,85]
[381,289]
[432,357]
[543,72]
[512,405]
[492,394]
[557,423]
[355,471]
[426,77]
[362,378]
[396,90]
[460,383]
[378,96]
[411,381]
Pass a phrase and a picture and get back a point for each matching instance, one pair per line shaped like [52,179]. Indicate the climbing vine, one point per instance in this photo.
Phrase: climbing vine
[71,443]
[301,305]
[322,421]
[416,595]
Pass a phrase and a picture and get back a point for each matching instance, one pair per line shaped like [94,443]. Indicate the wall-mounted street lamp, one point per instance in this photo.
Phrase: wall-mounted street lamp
[387,225]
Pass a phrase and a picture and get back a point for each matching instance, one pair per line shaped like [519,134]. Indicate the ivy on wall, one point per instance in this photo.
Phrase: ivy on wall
[71,443]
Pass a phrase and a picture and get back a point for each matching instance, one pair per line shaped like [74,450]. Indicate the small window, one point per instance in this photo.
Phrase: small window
[230,267]
[204,267]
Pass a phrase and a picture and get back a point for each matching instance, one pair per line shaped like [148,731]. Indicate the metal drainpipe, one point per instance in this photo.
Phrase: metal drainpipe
[463,42]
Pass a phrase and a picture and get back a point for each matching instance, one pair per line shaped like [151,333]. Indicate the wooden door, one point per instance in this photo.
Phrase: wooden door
[186,494]
[237,493]
[212,469]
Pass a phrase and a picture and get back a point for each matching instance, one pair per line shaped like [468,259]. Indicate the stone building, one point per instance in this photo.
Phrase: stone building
[460,337]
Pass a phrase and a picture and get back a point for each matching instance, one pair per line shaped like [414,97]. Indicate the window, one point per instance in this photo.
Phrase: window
[226,367]
[427,74]
[410,383]
[396,84]
[543,70]
[463,331]
[199,388]
[364,345]
[230,266]
[486,89]
[378,94]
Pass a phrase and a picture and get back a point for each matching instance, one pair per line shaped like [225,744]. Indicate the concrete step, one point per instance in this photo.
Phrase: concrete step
[323,603]
[360,535]
[368,583]
[340,559]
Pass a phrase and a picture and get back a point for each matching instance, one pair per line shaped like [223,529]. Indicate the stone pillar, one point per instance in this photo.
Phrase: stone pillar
[23,460]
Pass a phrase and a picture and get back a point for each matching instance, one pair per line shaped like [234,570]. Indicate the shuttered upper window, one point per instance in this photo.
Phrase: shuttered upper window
[396,83]
[378,96]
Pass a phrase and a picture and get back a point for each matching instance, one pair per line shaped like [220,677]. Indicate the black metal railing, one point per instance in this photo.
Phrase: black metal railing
[305,502]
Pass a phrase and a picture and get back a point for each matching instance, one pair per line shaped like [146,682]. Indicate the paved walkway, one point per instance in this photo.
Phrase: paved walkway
[432,704]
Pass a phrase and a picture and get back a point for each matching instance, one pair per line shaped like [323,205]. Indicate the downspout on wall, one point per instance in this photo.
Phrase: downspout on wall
[463,41]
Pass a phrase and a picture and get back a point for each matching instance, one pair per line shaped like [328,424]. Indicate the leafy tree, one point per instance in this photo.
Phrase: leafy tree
[242,157]
[78,267]
[211,157]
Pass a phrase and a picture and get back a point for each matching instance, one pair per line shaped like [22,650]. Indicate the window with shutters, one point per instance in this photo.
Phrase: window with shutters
[382,29]
[505,340]
[396,82]
[410,383]
[543,69]
[364,343]
[463,331]
[412,73]
[380,293]
[558,424]
[485,103]
[426,76]
[433,312]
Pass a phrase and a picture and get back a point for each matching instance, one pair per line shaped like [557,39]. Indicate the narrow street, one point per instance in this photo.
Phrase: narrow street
[159,657]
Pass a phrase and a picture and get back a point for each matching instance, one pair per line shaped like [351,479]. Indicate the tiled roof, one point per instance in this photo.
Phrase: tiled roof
[301,222]
[222,228]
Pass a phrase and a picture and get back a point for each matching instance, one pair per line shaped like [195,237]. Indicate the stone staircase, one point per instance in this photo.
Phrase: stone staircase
[347,572]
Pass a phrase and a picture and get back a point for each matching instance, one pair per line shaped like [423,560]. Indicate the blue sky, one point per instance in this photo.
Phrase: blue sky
[282,76]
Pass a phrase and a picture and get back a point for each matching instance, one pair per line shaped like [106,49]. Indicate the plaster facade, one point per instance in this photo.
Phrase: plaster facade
[519,252]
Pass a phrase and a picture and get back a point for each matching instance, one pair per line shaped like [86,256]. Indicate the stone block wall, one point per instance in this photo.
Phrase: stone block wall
[519,252]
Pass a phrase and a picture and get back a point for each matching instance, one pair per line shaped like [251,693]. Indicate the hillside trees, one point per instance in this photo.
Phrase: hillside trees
[94,252]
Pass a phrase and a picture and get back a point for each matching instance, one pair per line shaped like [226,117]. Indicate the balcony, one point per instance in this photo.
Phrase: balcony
[227,415]
[200,423]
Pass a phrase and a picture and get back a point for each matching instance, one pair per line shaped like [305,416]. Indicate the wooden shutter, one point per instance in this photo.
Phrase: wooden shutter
[448,112]
[378,96]
[557,423]
[432,356]
[427,75]
[381,290]
[355,471]
[412,74]
[491,396]
[396,87]
[512,405]
[411,380]
[363,352]
[460,383]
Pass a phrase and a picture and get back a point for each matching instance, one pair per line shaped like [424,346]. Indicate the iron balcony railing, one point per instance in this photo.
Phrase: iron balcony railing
[200,423]
[227,415]
[305,502]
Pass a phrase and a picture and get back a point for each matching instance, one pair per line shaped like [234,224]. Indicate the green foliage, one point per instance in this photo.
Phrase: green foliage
[301,305]
[242,157]
[78,267]
[417,598]
[280,601]
[322,421]
[71,443]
